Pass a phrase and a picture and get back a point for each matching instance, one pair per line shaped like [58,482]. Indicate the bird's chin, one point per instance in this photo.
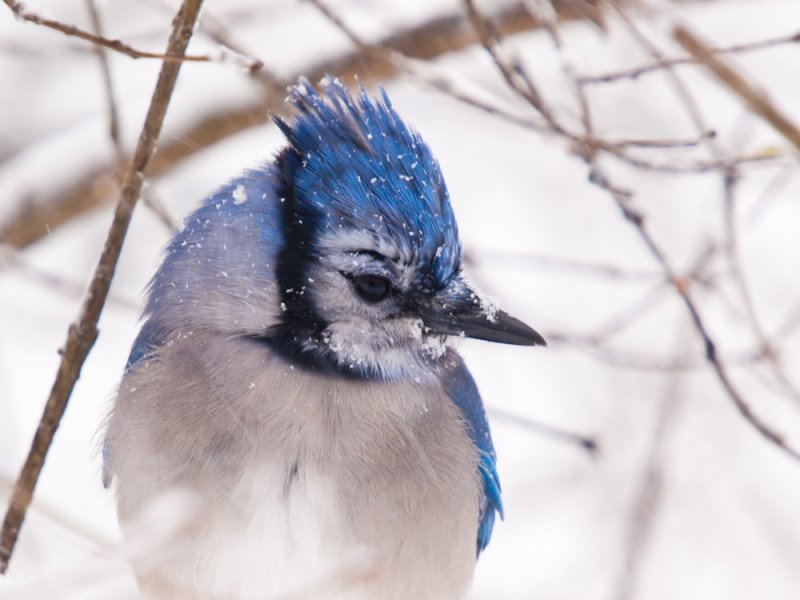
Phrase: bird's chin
[397,349]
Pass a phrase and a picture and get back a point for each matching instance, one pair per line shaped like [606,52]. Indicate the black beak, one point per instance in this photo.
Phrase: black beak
[459,310]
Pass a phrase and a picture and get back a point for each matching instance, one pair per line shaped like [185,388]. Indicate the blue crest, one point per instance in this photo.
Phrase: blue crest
[354,164]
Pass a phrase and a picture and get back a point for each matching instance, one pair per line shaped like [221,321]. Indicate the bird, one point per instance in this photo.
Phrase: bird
[295,374]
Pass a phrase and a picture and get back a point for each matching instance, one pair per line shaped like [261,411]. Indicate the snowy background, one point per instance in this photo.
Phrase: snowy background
[684,499]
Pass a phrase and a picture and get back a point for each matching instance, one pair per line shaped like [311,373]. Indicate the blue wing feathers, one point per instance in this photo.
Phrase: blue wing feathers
[151,337]
[462,390]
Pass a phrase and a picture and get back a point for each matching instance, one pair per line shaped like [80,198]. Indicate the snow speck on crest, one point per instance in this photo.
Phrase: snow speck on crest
[239,195]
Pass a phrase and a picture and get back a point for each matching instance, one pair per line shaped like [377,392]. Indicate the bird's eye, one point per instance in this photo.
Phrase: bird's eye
[372,288]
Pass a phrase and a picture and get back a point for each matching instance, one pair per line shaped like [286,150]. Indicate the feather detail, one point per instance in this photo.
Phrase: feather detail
[461,388]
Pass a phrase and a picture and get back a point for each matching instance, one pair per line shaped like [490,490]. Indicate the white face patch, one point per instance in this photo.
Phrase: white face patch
[395,348]
[369,336]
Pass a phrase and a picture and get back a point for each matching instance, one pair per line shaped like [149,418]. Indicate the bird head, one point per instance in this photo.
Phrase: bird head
[370,275]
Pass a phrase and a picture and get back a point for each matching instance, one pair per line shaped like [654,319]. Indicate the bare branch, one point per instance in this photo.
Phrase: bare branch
[734,81]
[680,284]
[420,41]
[623,199]
[665,143]
[666,63]
[560,263]
[650,491]
[423,72]
[512,72]
[108,84]
[21,12]
[83,332]
[584,442]
[11,258]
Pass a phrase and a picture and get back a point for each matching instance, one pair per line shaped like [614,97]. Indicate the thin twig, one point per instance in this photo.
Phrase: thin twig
[676,143]
[623,198]
[515,77]
[156,206]
[681,89]
[585,442]
[113,115]
[586,143]
[423,41]
[650,489]
[734,81]
[83,332]
[215,29]
[747,92]
[12,259]
[666,63]
[680,285]
[108,84]
[730,178]
[424,72]
[21,12]
[501,258]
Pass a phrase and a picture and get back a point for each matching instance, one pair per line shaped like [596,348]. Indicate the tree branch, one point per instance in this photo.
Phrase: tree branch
[425,41]
[83,332]
[21,12]
[666,63]
[757,100]
[517,79]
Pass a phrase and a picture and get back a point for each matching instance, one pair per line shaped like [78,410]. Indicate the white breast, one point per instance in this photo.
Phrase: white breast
[306,486]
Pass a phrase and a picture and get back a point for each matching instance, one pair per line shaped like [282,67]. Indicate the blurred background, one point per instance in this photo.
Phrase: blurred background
[611,192]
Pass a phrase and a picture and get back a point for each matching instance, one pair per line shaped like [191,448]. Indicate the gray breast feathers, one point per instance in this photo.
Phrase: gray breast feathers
[386,467]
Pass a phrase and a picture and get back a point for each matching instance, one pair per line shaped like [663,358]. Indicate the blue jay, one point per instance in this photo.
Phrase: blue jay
[292,373]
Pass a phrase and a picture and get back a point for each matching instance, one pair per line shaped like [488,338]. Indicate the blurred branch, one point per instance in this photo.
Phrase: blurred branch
[665,63]
[216,30]
[650,490]
[83,332]
[113,117]
[21,12]
[508,67]
[681,91]
[66,522]
[762,105]
[586,143]
[108,85]
[423,71]
[416,43]
[501,258]
[11,258]
[680,285]
[676,143]
[520,82]
[584,442]
[420,41]
[734,81]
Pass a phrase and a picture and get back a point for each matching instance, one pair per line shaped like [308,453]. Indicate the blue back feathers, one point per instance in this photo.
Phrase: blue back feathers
[353,164]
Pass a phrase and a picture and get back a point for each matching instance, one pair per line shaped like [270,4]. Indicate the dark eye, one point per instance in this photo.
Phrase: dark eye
[372,288]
